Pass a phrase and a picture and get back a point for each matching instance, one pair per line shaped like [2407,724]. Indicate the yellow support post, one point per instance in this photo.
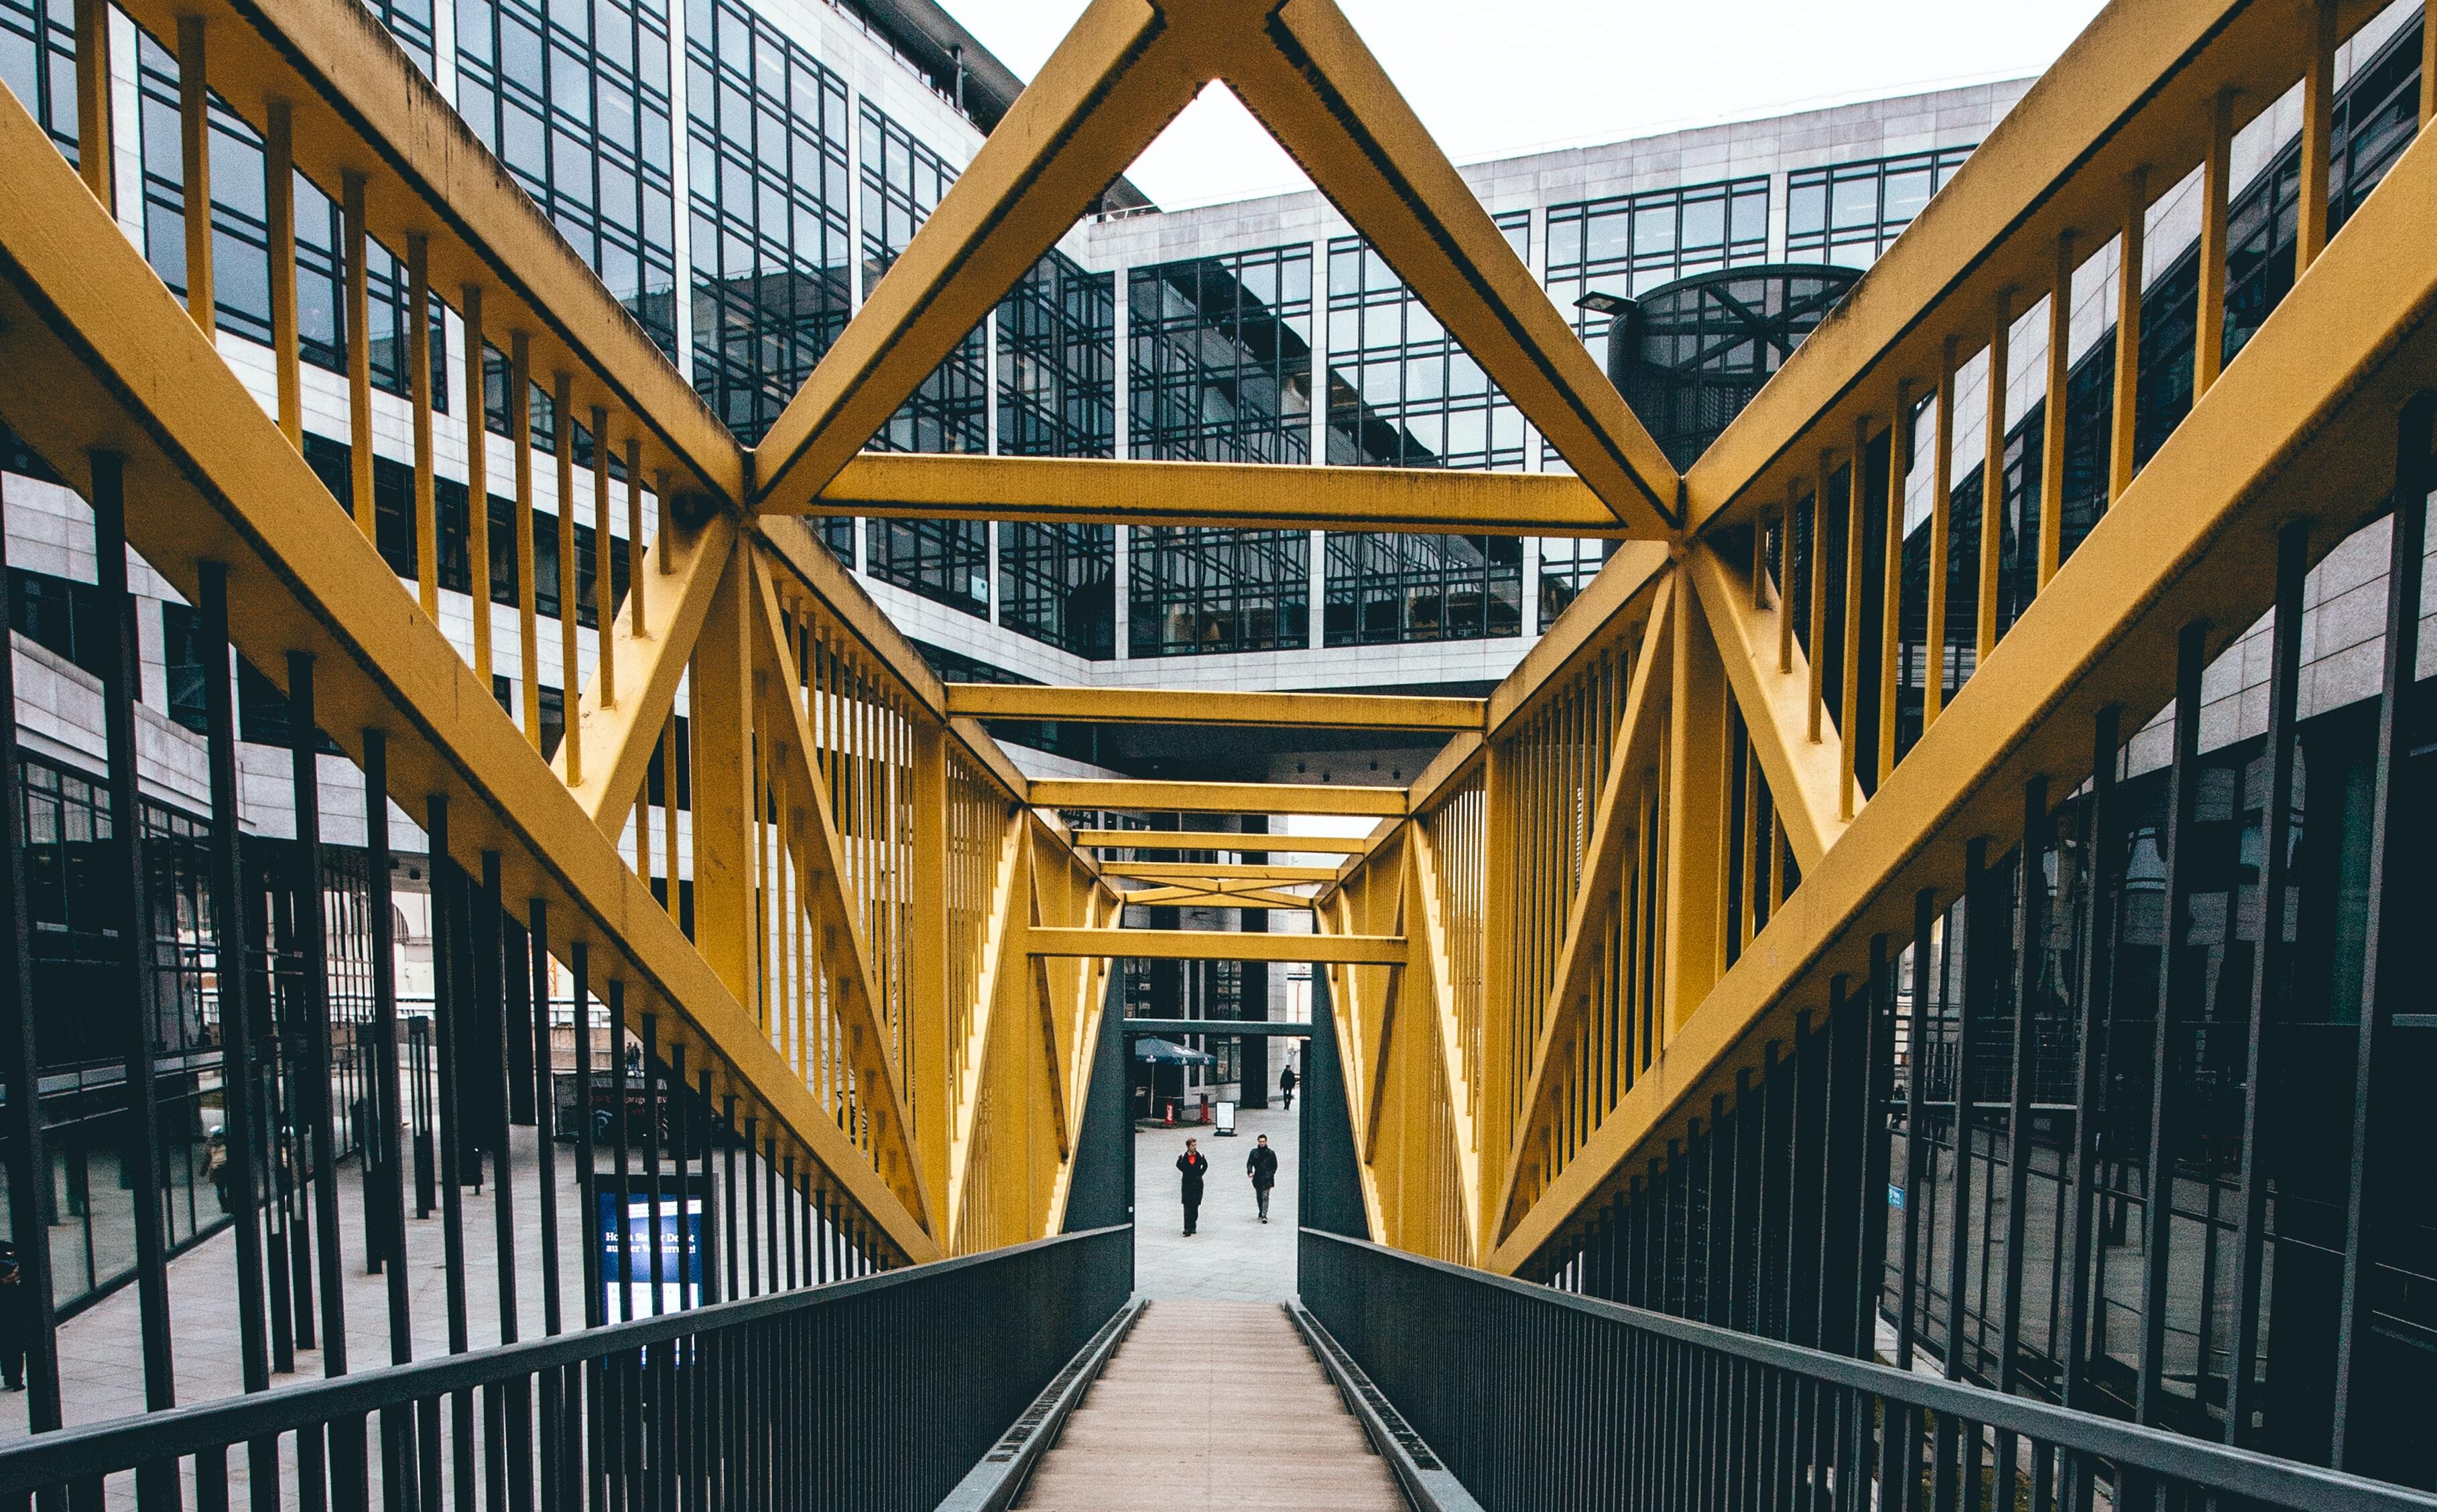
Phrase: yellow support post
[2131,251]
[604,600]
[418,375]
[2311,229]
[1849,700]
[195,161]
[359,350]
[520,527]
[1941,472]
[1785,581]
[279,224]
[97,168]
[927,1089]
[476,408]
[635,537]
[1993,480]
[1817,569]
[721,722]
[2052,436]
[1694,814]
[570,666]
[1891,585]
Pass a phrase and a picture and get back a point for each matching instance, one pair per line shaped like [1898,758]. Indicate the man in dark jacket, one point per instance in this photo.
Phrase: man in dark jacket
[1286,1084]
[1194,1168]
[1262,1166]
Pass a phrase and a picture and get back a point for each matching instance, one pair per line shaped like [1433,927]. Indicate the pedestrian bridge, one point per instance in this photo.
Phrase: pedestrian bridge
[1789,1050]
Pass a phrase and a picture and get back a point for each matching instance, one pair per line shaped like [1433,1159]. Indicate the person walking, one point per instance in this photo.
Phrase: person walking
[15,1308]
[1194,1168]
[1262,1166]
[1286,1079]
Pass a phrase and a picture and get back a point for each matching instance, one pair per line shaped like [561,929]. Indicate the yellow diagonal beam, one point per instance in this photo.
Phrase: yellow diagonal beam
[1596,898]
[1009,909]
[1430,954]
[2301,426]
[1803,773]
[1308,75]
[1121,74]
[1262,496]
[95,353]
[1260,898]
[361,106]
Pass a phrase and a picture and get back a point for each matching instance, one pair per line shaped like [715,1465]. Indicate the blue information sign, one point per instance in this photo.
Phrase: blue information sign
[634,1273]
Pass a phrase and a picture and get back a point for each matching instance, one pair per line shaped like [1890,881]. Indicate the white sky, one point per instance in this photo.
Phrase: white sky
[1498,78]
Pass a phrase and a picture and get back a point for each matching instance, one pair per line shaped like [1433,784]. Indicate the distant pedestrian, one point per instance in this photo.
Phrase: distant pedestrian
[1262,1166]
[1194,1168]
[1286,1079]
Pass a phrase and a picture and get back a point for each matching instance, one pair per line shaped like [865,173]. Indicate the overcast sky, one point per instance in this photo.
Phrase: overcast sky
[1512,75]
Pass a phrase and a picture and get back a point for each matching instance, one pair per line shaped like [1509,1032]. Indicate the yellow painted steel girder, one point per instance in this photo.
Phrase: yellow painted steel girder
[1191,897]
[1217,872]
[1306,74]
[2136,89]
[362,106]
[1212,841]
[94,353]
[1121,74]
[2299,427]
[1260,495]
[1803,773]
[1153,797]
[1207,706]
[1219,945]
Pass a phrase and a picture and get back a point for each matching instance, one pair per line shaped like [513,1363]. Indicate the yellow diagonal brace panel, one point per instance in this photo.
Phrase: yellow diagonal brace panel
[362,106]
[1116,81]
[1219,945]
[1260,898]
[1218,797]
[1256,494]
[2120,98]
[1803,773]
[1216,870]
[621,739]
[1205,706]
[95,353]
[1309,78]
[2301,426]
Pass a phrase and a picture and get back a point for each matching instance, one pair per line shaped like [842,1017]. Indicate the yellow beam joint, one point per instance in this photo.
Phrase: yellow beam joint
[1152,797]
[1202,706]
[1219,945]
[1188,897]
[1257,496]
[1804,776]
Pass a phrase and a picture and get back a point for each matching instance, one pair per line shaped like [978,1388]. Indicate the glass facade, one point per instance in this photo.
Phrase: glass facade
[947,561]
[1630,243]
[1567,567]
[1058,584]
[1401,391]
[1848,214]
[1219,368]
[573,96]
[769,182]
[903,183]
[1056,362]
[38,63]
[1385,588]
[1194,590]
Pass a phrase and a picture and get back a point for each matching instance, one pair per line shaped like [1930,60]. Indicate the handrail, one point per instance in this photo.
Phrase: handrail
[2129,1447]
[88,1454]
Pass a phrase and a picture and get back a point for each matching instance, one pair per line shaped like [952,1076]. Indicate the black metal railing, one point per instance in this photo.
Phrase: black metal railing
[1539,1399]
[869,1393]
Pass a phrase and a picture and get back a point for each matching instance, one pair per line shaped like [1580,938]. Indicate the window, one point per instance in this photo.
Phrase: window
[1197,590]
[553,711]
[182,655]
[1221,364]
[262,712]
[38,63]
[903,183]
[241,240]
[1847,214]
[1385,588]
[64,618]
[947,561]
[766,127]
[1401,391]
[573,96]
[409,22]
[1058,584]
[1056,362]
[1567,567]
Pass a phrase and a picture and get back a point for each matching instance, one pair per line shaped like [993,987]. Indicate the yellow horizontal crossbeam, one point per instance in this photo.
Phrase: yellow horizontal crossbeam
[1192,897]
[1232,843]
[1259,495]
[1203,706]
[1154,797]
[1219,945]
[1217,872]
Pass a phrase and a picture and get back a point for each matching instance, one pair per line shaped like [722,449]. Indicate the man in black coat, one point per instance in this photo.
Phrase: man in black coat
[1262,1166]
[1286,1084]
[1194,1168]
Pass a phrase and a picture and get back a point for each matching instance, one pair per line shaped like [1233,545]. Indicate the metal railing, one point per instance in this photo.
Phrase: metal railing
[876,1392]
[1535,1397]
